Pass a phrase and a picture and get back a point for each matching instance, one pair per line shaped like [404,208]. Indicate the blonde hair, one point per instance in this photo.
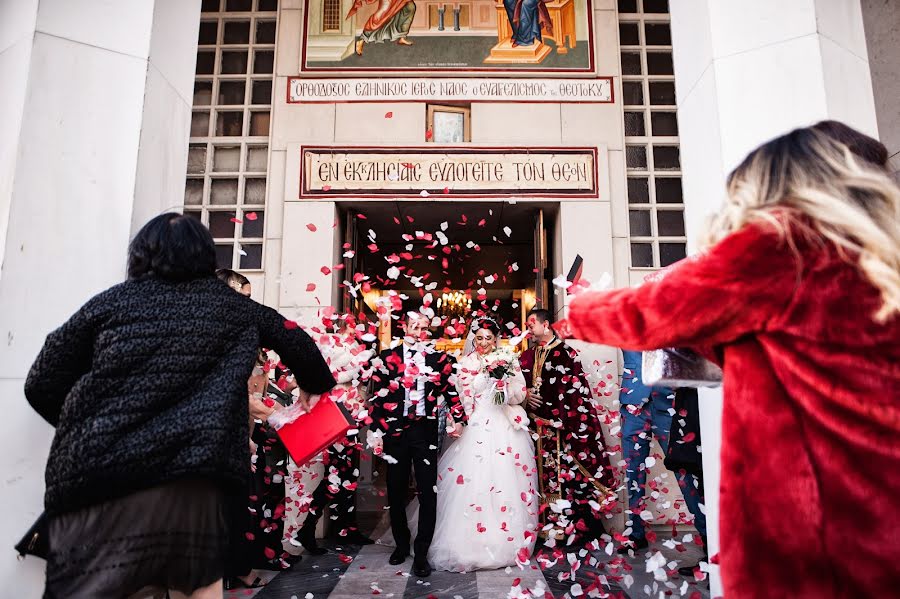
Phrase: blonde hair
[827,192]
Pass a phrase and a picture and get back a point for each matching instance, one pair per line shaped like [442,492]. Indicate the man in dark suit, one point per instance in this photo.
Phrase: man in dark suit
[412,380]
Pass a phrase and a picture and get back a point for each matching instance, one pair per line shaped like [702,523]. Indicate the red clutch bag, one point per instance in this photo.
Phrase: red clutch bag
[310,433]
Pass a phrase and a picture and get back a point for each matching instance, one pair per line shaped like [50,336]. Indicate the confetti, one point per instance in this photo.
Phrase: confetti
[311,227]
[388,115]
[250,216]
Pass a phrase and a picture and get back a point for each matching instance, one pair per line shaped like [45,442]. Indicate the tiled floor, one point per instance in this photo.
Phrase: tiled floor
[347,572]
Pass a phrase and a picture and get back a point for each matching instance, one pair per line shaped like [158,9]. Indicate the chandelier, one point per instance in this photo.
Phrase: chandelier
[454,304]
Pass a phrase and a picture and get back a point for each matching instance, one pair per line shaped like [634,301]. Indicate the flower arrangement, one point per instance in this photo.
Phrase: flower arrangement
[497,366]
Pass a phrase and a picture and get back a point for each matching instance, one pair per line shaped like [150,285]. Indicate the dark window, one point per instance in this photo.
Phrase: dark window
[662,92]
[265,32]
[264,61]
[670,223]
[666,157]
[231,92]
[670,253]
[229,123]
[223,255]
[631,63]
[253,228]
[238,5]
[234,62]
[641,254]
[638,191]
[221,224]
[206,62]
[664,123]
[636,157]
[253,257]
[639,223]
[262,92]
[668,190]
[660,63]
[208,32]
[202,93]
[236,32]
[656,6]
[634,123]
[629,34]
[657,34]
[632,93]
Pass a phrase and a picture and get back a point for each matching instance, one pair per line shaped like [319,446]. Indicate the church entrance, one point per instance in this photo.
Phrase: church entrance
[488,257]
[465,257]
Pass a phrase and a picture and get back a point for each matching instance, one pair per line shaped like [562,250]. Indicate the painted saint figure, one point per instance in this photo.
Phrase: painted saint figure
[390,22]
[527,18]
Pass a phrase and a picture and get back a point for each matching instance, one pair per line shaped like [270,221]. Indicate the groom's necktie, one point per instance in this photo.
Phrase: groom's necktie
[415,394]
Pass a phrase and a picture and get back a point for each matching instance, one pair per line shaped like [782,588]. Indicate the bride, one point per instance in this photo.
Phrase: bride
[487,480]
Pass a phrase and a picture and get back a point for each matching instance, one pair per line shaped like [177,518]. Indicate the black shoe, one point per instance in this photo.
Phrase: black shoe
[357,538]
[307,538]
[398,556]
[235,582]
[421,568]
[634,543]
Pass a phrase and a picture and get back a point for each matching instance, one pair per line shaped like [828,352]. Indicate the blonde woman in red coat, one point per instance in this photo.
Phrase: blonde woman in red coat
[798,297]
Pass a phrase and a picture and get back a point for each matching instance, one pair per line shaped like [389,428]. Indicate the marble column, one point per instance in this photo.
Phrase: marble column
[96,114]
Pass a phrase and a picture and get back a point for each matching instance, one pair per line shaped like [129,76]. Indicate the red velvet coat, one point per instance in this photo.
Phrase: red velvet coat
[811,428]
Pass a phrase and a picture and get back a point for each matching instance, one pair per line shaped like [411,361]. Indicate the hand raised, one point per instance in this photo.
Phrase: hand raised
[563,330]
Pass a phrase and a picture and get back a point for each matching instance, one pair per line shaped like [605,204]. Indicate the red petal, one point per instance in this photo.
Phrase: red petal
[236,220]
[310,286]
[250,216]
[326,188]
[290,324]
[388,115]
[311,227]
[325,270]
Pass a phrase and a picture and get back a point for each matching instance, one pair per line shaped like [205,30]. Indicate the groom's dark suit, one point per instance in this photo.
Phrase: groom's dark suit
[405,396]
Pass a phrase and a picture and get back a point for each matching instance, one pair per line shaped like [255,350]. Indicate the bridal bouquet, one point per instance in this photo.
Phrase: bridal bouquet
[497,365]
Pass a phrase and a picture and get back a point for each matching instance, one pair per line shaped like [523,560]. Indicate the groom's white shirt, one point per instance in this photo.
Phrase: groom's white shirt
[415,395]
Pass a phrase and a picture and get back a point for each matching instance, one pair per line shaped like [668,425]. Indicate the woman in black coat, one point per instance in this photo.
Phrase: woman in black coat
[147,388]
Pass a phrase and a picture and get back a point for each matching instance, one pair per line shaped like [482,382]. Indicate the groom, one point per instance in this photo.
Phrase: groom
[406,390]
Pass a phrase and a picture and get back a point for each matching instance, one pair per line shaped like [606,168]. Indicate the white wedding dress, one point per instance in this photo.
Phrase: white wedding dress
[487,504]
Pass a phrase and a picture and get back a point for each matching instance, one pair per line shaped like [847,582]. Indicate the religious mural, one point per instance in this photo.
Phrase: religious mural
[513,36]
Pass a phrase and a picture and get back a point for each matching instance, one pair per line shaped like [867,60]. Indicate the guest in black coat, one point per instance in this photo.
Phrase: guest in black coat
[147,388]
[412,380]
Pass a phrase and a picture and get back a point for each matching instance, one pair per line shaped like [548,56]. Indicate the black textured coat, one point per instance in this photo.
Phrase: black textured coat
[147,383]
